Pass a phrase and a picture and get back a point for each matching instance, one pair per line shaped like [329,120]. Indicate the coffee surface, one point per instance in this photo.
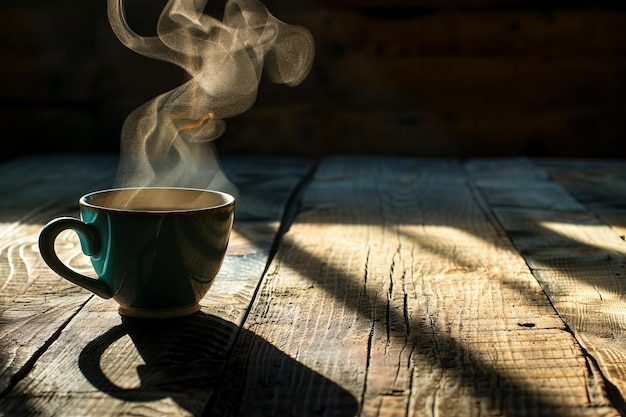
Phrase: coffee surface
[158,199]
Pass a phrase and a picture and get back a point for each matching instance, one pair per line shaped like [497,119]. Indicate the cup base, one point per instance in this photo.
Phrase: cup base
[158,313]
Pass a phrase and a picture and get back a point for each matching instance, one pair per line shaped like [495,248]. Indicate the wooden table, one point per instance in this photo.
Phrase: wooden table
[353,286]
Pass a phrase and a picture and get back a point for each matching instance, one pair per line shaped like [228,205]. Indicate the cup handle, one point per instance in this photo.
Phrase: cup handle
[90,246]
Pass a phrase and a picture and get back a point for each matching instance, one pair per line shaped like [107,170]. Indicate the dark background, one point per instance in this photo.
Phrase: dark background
[448,78]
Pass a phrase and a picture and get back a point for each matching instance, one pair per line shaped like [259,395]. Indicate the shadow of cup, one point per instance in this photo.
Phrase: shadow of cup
[186,359]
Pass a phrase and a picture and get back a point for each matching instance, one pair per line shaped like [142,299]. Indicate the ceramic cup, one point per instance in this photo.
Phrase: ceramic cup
[156,251]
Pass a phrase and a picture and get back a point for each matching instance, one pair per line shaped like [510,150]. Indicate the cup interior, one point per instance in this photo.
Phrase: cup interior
[157,199]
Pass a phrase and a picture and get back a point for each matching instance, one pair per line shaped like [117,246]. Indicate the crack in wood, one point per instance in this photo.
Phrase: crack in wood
[21,373]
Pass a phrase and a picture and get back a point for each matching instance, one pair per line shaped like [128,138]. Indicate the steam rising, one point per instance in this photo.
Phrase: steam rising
[168,140]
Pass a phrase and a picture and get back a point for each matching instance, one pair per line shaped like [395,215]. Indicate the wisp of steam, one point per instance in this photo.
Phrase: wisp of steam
[168,141]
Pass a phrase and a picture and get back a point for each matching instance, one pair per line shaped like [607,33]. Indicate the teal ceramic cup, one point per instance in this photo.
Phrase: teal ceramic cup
[155,250]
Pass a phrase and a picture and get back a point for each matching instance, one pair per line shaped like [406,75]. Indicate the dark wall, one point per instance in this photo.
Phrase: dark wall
[413,77]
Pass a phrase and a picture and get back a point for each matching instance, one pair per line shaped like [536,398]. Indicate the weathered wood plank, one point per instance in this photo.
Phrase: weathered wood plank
[578,259]
[436,4]
[397,291]
[428,76]
[265,185]
[600,185]
[36,303]
[453,82]
[130,367]
[391,294]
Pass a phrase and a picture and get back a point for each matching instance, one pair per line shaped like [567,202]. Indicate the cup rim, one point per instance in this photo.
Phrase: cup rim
[230,201]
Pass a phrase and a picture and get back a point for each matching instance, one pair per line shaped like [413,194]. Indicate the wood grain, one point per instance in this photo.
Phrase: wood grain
[577,258]
[434,78]
[404,287]
[36,303]
[452,82]
[599,185]
[170,367]
[394,287]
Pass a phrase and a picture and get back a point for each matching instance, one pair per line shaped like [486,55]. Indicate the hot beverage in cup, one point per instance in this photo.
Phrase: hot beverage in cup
[155,250]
